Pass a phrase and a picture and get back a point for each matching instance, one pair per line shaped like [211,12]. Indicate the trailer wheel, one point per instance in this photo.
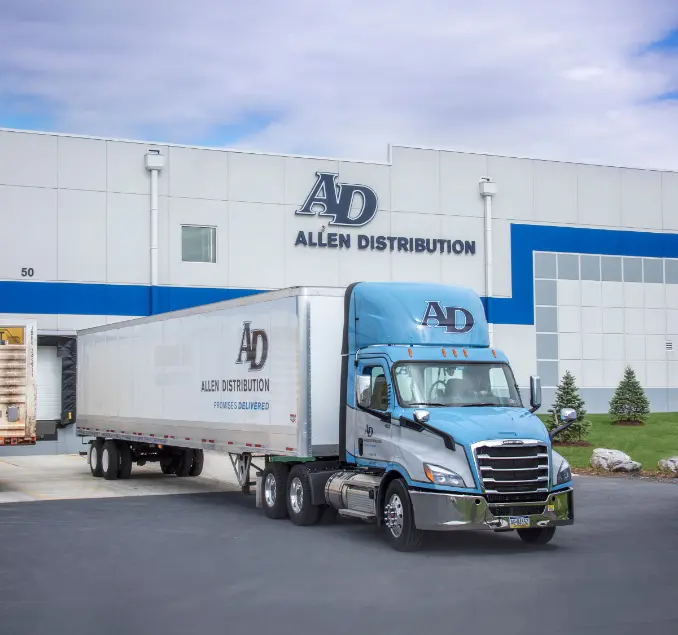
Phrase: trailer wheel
[273,486]
[198,462]
[537,535]
[125,465]
[183,464]
[299,506]
[95,457]
[109,460]
[401,532]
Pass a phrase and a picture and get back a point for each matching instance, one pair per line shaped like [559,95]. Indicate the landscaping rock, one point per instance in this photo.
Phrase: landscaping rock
[613,461]
[669,465]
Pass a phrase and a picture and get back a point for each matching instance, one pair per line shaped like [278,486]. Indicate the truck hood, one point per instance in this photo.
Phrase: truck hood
[470,425]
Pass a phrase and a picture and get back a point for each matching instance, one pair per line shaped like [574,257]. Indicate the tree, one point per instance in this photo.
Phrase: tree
[629,403]
[567,396]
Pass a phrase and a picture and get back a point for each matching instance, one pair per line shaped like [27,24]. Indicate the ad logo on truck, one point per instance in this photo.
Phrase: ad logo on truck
[454,319]
[253,352]
[253,342]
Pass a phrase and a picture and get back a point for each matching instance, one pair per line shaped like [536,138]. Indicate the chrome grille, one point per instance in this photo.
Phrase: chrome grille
[513,468]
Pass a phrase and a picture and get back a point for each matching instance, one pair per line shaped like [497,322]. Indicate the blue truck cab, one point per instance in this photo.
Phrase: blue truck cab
[434,415]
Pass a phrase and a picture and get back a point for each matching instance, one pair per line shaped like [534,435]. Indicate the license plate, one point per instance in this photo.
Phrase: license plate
[518,522]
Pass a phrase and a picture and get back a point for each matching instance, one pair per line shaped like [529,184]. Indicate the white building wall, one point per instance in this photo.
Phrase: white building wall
[76,210]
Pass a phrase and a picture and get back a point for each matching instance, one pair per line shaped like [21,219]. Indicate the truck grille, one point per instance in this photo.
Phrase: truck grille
[513,469]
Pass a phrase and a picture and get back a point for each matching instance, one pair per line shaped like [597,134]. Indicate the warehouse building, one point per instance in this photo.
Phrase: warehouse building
[579,262]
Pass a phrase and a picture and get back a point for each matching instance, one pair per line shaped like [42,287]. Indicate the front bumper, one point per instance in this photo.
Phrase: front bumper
[436,511]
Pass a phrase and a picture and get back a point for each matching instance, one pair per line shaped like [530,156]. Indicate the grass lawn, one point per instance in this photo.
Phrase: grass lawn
[656,440]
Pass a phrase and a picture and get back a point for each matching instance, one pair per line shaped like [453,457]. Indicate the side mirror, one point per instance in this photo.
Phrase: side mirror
[535,393]
[363,390]
[568,416]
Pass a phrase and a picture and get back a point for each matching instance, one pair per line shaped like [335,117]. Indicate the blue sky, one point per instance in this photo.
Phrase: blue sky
[577,80]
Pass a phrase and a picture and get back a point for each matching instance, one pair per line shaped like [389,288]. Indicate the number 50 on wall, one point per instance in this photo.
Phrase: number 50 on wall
[27,272]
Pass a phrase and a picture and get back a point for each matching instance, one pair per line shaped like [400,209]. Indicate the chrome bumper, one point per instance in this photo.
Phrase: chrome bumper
[435,511]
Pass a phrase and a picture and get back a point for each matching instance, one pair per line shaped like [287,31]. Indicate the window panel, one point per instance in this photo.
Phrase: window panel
[198,244]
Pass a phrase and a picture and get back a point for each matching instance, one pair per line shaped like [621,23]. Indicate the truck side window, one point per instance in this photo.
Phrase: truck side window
[379,388]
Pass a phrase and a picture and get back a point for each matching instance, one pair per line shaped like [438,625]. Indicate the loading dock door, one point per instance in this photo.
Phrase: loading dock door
[48,384]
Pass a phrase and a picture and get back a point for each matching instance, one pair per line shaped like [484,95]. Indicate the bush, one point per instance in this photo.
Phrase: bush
[567,396]
[629,403]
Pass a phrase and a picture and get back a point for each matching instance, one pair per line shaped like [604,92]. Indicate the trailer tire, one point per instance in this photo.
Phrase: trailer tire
[95,458]
[274,501]
[537,535]
[183,463]
[198,462]
[109,460]
[125,454]
[298,498]
[401,531]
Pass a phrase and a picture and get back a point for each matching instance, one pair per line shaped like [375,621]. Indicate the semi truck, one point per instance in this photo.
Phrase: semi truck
[18,394]
[383,401]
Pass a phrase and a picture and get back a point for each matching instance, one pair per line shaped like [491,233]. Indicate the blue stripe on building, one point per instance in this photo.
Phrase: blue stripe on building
[68,298]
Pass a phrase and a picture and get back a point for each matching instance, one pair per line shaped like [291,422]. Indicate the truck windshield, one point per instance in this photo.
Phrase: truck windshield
[456,384]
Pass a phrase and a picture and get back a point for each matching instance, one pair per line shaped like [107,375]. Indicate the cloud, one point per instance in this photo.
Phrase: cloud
[572,81]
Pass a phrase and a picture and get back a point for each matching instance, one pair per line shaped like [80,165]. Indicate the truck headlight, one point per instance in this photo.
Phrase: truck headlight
[441,476]
[564,473]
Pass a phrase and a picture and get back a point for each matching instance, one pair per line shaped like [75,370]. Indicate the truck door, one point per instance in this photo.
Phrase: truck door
[372,431]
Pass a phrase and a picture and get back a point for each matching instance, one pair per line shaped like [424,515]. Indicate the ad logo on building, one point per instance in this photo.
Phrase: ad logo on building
[253,347]
[347,205]
[454,319]
[338,201]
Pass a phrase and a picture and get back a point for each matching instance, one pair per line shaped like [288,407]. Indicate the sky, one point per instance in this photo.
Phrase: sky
[577,80]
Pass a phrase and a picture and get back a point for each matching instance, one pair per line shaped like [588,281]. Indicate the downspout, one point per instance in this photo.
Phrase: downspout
[154,163]
[487,189]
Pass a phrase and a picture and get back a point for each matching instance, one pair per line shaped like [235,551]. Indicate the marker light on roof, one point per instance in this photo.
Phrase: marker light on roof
[465,353]
[494,352]
[444,353]
[409,350]
[454,350]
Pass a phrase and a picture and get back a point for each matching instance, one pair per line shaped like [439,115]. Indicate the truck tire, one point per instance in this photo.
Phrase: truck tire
[198,462]
[401,531]
[298,497]
[537,535]
[95,458]
[109,460]
[125,454]
[273,488]
[183,463]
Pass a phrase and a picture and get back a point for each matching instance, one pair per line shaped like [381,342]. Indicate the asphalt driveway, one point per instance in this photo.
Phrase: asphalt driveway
[212,563]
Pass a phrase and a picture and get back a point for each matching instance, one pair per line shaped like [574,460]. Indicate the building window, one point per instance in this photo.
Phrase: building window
[198,244]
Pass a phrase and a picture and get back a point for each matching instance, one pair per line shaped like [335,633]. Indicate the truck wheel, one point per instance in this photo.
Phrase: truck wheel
[109,460]
[537,535]
[299,498]
[273,486]
[184,463]
[401,532]
[125,454]
[198,462]
[95,457]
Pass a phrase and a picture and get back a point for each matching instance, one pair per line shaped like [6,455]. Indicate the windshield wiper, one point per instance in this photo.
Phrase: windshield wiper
[479,405]
[428,403]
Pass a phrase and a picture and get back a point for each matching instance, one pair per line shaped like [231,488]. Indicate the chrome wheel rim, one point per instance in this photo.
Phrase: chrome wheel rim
[270,490]
[296,495]
[104,461]
[394,515]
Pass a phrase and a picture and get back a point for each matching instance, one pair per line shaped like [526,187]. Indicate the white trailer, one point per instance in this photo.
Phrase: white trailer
[231,377]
